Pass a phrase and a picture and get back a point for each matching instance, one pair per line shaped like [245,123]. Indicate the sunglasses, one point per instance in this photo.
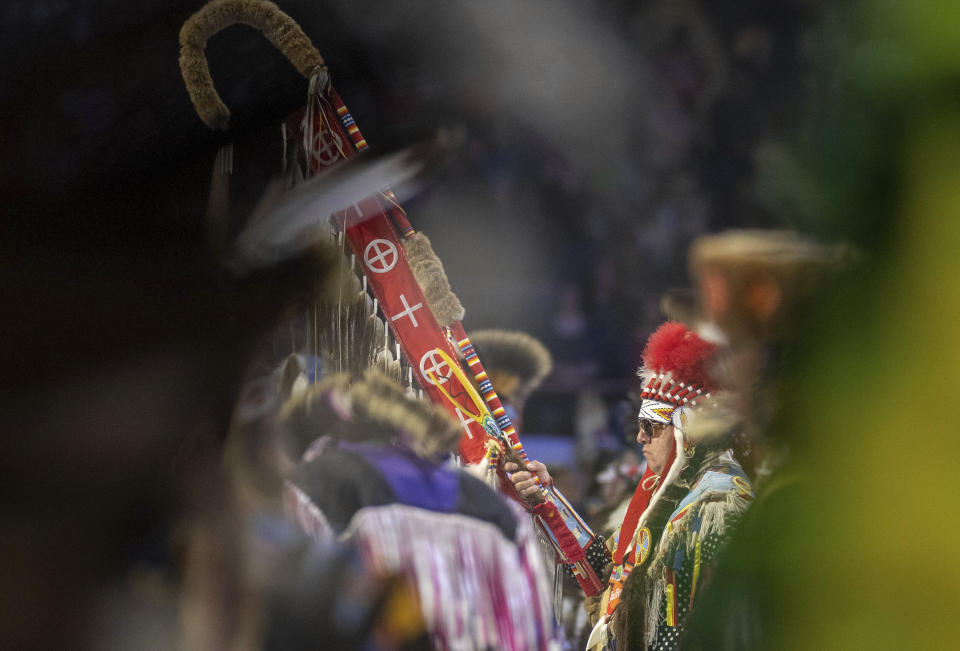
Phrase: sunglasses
[651,429]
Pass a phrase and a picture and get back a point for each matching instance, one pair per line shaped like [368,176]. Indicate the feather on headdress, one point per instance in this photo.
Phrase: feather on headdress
[676,365]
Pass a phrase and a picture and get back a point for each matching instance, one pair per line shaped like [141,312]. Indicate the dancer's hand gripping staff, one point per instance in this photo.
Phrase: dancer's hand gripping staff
[567,532]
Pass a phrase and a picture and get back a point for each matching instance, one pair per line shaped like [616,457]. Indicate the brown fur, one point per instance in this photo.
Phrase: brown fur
[426,427]
[628,622]
[217,15]
[310,414]
[428,270]
[516,362]
[379,411]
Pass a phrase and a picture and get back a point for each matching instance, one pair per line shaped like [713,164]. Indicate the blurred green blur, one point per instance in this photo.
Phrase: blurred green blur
[871,557]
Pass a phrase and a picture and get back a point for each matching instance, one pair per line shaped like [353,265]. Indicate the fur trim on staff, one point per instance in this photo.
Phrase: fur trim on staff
[428,270]
[516,362]
[217,15]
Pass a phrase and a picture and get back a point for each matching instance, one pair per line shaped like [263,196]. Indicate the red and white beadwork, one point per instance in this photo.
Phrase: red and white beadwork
[675,369]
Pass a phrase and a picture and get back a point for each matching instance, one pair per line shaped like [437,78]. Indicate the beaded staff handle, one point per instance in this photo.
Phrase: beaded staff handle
[487,391]
[216,16]
[484,414]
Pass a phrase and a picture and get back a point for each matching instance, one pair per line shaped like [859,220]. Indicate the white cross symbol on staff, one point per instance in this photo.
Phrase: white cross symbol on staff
[408,311]
[465,422]
[325,150]
[381,260]
[435,368]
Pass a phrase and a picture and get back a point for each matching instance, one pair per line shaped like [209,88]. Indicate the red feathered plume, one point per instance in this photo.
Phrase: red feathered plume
[675,349]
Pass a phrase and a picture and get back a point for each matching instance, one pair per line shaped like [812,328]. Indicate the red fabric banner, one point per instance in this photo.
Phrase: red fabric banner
[328,134]
[333,137]
[380,252]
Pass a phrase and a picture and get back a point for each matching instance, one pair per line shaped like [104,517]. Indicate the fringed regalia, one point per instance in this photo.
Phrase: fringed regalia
[471,557]
[658,595]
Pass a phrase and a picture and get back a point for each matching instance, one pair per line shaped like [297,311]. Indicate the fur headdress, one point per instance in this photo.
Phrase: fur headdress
[515,362]
[374,408]
[771,277]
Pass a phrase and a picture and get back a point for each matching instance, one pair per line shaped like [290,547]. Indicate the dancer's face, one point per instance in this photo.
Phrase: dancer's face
[657,441]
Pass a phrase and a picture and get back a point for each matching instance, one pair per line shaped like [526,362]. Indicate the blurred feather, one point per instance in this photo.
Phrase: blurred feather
[280,223]
[350,336]
[715,418]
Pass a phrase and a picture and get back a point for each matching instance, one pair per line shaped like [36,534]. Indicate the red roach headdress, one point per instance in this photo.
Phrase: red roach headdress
[675,367]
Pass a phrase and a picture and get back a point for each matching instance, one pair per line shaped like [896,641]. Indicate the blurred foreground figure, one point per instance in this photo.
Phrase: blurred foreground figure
[880,470]
[125,346]
[342,475]
[759,288]
[349,528]
[691,495]
[369,477]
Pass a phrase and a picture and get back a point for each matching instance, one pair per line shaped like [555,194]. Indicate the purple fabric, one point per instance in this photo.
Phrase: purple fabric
[414,480]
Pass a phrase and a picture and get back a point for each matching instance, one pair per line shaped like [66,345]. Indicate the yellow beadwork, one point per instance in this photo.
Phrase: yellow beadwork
[696,570]
[671,606]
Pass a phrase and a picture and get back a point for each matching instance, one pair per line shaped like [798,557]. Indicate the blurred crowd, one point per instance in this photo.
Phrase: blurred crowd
[594,240]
